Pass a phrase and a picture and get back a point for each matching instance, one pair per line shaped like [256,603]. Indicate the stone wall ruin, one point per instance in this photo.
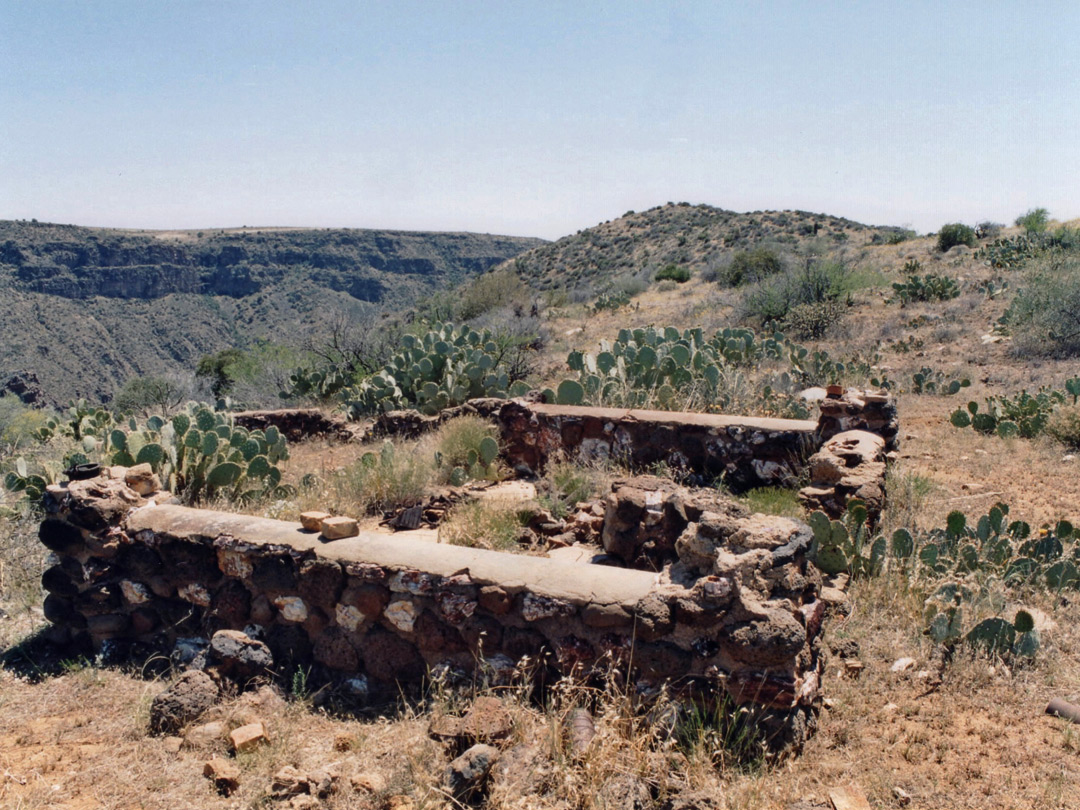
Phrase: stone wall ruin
[717,603]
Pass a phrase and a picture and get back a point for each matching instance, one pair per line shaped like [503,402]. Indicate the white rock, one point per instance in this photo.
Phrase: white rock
[402,614]
[135,593]
[348,617]
[292,608]
[902,664]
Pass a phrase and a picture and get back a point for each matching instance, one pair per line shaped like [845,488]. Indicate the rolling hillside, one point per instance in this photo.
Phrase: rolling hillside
[83,309]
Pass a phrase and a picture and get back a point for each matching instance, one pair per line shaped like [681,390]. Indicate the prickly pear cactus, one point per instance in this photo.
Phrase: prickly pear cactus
[200,454]
[446,367]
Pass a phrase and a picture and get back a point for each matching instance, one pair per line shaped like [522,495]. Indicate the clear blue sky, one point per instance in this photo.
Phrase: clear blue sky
[534,118]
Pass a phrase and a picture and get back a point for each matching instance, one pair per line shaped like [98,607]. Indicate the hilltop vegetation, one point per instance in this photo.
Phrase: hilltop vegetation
[700,238]
[87,308]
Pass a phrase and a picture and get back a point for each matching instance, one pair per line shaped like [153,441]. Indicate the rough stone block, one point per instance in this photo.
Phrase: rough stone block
[142,479]
[224,774]
[248,738]
[312,521]
[340,527]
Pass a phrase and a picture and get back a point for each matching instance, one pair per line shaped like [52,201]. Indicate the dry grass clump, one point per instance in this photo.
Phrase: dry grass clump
[566,483]
[493,524]
[774,501]
[1064,425]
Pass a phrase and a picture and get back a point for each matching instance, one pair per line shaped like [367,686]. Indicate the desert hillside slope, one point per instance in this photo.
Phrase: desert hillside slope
[86,308]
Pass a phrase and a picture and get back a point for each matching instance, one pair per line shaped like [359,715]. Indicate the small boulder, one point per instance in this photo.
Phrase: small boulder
[288,782]
[239,656]
[224,774]
[312,521]
[338,528]
[188,697]
[142,479]
[467,775]
[248,738]
[205,735]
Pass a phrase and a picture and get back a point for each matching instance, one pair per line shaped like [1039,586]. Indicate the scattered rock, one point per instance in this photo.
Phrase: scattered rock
[848,798]
[248,738]
[239,656]
[902,665]
[142,479]
[487,720]
[172,745]
[312,521]
[368,783]
[338,528]
[224,774]
[624,792]
[188,697]
[698,800]
[844,647]
[467,775]
[206,735]
[289,782]
[582,729]
[343,742]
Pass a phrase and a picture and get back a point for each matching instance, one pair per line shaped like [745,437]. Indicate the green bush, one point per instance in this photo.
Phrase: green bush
[501,288]
[386,480]
[815,283]
[1035,220]
[673,272]
[812,321]
[1064,425]
[1044,317]
[953,234]
[749,266]
[466,447]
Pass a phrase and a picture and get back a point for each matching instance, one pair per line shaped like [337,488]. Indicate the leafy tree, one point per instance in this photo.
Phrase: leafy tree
[216,368]
[1036,220]
[953,234]
[748,266]
[150,395]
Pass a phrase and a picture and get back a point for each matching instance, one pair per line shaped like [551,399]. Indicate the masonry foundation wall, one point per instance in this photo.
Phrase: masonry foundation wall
[736,613]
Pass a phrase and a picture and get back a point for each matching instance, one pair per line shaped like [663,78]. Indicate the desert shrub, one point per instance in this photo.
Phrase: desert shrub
[388,479]
[749,266]
[491,524]
[673,272]
[565,484]
[666,286]
[149,395]
[953,234]
[1064,425]
[1044,317]
[816,282]
[811,321]
[501,288]
[464,446]
[18,424]
[1034,220]
[988,230]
